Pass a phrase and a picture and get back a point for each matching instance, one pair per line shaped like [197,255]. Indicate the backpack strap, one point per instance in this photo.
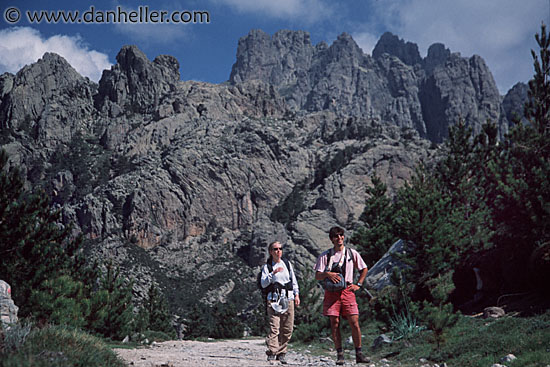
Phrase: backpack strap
[350,254]
[287,263]
[287,286]
[346,255]
[330,253]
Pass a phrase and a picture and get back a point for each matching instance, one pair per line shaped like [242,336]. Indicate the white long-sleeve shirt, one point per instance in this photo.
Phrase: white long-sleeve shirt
[281,277]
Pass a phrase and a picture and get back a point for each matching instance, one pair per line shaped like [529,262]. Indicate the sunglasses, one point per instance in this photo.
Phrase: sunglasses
[277,249]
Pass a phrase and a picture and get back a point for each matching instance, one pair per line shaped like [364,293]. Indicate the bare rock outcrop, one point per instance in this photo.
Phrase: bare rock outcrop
[48,100]
[136,84]
[8,309]
[395,84]
[392,45]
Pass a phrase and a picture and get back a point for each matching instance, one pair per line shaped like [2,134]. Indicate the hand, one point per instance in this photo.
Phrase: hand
[354,287]
[277,270]
[334,277]
[297,300]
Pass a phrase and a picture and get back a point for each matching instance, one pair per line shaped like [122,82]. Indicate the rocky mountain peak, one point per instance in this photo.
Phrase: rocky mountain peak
[395,85]
[514,100]
[292,39]
[274,60]
[393,45]
[130,58]
[51,84]
[136,84]
[345,49]
[437,55]
[133,61]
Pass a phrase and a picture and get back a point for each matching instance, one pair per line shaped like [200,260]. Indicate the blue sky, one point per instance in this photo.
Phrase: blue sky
[500,31]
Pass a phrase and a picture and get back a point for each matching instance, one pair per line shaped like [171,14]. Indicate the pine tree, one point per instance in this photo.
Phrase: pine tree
[155,314]
[537,108]
[34,246]
[228,324]
[376,236]
[440,229]
[199,323]
[111,313]
[438,314]
[521,203]
[60,301]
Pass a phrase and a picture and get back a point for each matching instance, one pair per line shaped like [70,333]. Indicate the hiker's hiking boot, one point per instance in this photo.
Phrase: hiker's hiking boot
[360,358]
[270,357]
[340,359]
[282,358]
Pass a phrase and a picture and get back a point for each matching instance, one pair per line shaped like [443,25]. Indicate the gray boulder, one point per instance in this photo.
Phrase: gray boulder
[493,312]
[379,276]
[8,309]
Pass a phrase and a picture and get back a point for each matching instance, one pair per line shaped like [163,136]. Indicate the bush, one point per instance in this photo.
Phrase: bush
[404,324]
[154,314]
[14,336]
[219,321]
[61,346]
[309,322]
[61,301]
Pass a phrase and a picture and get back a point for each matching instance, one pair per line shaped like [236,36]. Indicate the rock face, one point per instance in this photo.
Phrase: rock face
[181,183]
[48,100]
[395,85]
[379,276]
[136,84]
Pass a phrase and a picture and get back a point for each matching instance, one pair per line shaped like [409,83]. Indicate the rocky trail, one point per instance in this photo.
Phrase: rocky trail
[228,353]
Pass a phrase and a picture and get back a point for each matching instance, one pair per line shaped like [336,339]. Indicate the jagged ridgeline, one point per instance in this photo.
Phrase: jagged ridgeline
[183,183]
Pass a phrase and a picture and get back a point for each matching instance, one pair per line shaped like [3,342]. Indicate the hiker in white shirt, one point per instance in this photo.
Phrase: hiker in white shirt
[283,296]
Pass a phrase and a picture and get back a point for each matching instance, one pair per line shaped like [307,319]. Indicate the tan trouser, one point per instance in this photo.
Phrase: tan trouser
[280,329]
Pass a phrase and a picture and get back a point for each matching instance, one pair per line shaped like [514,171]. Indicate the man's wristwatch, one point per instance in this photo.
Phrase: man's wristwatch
[359,284]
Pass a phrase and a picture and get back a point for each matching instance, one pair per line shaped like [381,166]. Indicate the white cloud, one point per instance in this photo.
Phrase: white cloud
[500,31]
[304,10]
[20,46]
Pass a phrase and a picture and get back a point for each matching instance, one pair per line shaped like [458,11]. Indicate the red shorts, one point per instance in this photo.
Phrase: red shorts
[341,303]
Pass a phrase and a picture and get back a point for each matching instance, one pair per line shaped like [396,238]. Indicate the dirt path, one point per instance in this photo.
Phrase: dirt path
[229,353]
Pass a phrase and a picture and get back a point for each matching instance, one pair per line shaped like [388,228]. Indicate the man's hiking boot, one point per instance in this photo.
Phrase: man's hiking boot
[360,358]
[282,358]
[340,359]
[270,357]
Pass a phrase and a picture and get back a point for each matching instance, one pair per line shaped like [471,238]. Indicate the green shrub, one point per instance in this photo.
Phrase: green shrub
[61,301]
[404,324]
[154,314]
[309,322]
[14,336]
[219,321]
[61,346]
[310,332]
